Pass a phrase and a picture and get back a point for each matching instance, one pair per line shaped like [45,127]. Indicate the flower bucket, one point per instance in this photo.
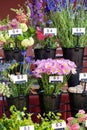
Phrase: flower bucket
[76,55]
[8,55]
[78,101]
[44,53]
[12,55]
[49,103]
[19,102]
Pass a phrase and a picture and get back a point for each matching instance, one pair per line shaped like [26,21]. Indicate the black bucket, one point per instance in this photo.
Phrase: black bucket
[44,53]
[49,103]
[13,55]
[76,55]
[19,102]
[78,101]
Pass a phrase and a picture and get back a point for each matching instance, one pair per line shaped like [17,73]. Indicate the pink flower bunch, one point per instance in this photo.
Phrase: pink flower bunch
[77,122]
[54,67]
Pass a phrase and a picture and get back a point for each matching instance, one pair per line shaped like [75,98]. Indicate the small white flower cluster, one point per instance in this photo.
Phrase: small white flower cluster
[5,90]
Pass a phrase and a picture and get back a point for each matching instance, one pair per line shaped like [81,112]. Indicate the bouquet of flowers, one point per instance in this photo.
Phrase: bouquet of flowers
[52,67]
[18,32]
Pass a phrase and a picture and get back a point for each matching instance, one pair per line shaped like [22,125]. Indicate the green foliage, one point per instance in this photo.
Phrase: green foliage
[23,88]
[64,22]
[19,118]
[16,120]
[51,88]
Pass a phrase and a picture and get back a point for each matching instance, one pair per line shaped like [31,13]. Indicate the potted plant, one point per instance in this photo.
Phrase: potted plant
[78,122]
[16,34]
[50,120]
[65,16]
[18,120]
[17,93]
[21,120]
[52,75]
[16,86]
[45,44]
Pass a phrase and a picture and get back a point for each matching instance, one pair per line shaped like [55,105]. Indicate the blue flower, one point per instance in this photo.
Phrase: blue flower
[49,22]
[29,59]
[23,52]
[71,1]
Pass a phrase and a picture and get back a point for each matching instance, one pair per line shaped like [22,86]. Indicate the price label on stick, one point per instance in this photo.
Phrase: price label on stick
[59,125]
[52,31]
[55,79]
[83,77]
[27,127]
[86,123]
[78,31]
[15,32]
[18,78]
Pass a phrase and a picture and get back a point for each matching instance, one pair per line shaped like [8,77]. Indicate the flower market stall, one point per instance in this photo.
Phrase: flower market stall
[44,26]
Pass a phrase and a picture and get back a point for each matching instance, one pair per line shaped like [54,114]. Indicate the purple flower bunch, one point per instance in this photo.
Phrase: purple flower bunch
[37,9]
[58,5]
[25,64]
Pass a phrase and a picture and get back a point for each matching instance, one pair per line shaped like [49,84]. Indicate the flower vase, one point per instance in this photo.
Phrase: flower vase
[75,55]
[44,53]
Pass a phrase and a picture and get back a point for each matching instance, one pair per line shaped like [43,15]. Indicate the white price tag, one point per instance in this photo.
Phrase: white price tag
[55,79]
[19,78]
[86,123]
[27,127]
[15,32]
[48,31]
[83,76]
[59,125]
[78,31]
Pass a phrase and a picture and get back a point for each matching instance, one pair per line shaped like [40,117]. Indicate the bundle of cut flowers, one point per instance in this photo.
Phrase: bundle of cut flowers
[53,67]
[45,41]
[40,21]
[66,15]
[17,32]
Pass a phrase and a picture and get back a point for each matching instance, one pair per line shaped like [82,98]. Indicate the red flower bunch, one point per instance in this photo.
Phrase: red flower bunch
[43,40]
[40,35]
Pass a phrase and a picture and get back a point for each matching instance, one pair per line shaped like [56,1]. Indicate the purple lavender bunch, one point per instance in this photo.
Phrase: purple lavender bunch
[37,11]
